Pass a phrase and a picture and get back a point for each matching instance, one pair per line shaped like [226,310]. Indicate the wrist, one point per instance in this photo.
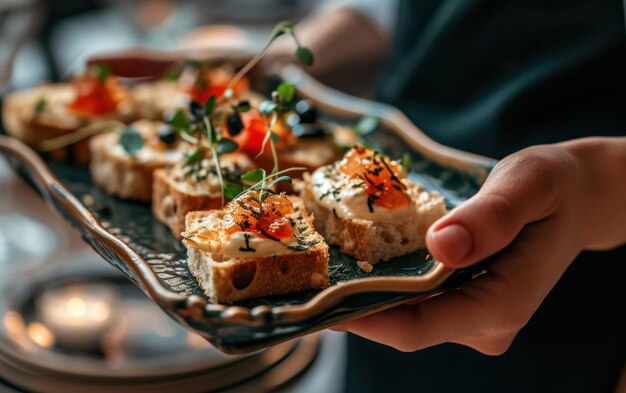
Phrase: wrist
[601,176]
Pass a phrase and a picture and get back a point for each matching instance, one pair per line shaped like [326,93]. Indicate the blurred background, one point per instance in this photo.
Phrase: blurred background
[66,33]
[70,322]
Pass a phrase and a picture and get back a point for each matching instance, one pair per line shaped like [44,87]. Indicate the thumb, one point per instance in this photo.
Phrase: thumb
[523,188]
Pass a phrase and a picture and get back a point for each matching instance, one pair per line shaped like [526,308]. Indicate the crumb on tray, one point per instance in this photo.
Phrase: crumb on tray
[365,266]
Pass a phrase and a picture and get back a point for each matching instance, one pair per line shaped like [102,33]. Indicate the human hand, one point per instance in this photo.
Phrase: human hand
[539,208]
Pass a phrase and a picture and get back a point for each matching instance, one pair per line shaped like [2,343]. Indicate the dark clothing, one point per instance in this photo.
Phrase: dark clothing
[493,77]
[575,342]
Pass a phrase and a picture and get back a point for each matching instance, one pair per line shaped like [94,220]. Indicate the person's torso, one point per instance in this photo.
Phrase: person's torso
[495,76]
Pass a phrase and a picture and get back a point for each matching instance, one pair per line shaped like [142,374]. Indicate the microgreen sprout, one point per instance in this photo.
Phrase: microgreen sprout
[102,71]
[281,98]
[40,105]
[262,185]
[303,54]
[407,162]
[197,126]
[131,140]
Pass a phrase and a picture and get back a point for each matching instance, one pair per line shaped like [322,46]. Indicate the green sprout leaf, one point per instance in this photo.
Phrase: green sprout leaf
[278,180]
[244,106]
[232,190]
[131,140]
[305,56]
[226,145]
[209,105]
[281,28]
[366,145]
[286,92]
[179,120]
[102,72]
[267,106]
[40,105]
[193,158]
[275,138]
[407,163]
[366,125]
[255,175]
[170,76]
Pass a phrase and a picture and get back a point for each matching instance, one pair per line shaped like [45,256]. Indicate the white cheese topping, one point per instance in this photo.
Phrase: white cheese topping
[147,154]
[337,192]
[236,247]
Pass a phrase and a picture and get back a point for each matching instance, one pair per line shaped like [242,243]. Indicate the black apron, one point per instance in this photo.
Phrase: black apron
[492,77]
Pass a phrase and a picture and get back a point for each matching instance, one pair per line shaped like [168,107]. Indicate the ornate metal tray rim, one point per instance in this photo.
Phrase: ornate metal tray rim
[198,308]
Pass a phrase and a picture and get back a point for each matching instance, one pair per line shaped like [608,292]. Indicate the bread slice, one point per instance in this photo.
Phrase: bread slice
[173,195]
[155,100]
[24,120]
[309,153]
[227,279]
[392,234]
[126,176]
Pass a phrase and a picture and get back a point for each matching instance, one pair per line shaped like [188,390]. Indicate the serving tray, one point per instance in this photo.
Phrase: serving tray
[128,236]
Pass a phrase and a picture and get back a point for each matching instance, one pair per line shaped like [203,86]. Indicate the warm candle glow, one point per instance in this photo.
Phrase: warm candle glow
[76,308]
[13,322]
[40,335]
[78,314]
[100,311]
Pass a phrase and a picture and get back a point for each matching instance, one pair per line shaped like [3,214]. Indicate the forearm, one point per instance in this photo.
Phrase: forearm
[349,48]
[602,167]
[343,37]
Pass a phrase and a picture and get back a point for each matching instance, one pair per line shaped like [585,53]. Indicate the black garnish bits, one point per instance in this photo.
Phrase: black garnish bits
[306,112]
[247,248]
[235,124]
[196,110]
[167,134]
[304,130]
[370,203]
[244,106]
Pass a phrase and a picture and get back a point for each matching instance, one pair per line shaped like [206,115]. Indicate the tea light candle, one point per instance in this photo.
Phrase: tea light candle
[79,313]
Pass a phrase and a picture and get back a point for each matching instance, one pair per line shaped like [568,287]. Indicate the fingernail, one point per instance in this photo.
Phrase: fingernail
[453,243]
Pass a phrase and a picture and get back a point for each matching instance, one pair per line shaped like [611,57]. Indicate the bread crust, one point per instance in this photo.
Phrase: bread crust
[170,203]
[173,199]
[21,121]
[369,241]
[123,175]
[236,279]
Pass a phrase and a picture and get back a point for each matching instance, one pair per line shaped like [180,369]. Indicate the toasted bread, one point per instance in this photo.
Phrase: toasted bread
[362,229]
[155,100]
[227,279]
[370,241]
[130,176]
[173,196]
[309,153]
[33,125]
